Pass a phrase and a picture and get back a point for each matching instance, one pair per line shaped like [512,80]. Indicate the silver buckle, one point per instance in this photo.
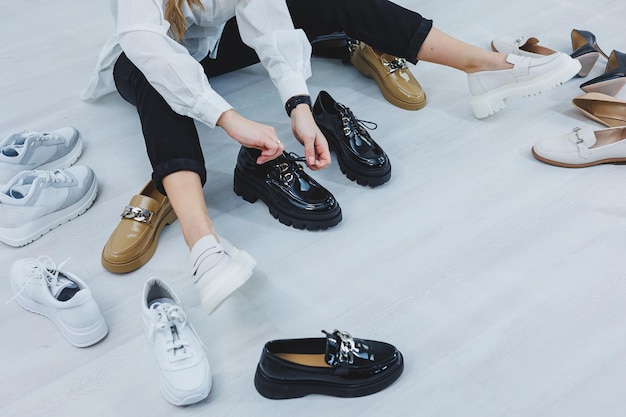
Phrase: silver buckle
[579,140]
[520,41]
[347,347]
[396,64]
[138,214]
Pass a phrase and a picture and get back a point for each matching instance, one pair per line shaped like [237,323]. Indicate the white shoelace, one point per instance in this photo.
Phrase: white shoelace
[21,188]
[42,268]
[57,175]
[170,320]
[43,138]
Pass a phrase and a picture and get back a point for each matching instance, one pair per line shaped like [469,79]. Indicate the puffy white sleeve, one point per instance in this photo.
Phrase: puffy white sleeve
[167,65]
[285,52]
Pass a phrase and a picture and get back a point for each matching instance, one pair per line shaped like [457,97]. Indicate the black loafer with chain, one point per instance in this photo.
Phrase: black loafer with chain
[291,195]
[336,365]
[359,156]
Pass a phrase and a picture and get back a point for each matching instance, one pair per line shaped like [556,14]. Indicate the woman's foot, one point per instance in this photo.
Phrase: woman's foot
[528,77]
[218,270]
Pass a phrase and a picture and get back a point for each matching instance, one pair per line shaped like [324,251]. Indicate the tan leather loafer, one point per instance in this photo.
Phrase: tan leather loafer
[605,109]
[392,75]
[134,240]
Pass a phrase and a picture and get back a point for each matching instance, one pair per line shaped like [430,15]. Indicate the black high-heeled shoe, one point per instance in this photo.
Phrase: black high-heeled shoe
[613,79]
[586,50]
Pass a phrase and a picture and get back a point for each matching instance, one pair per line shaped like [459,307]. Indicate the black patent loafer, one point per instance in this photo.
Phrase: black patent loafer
[292,196]
[359,156]
[336,365]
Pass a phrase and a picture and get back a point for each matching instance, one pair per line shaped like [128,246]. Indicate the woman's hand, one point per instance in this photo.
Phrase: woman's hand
[252,135]
[306,131]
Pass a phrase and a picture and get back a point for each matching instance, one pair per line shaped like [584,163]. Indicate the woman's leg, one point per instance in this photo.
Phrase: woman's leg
[184,190]
[440,48]
[173,146]
[392,29]
[232,54]
[383,25]
[173,149]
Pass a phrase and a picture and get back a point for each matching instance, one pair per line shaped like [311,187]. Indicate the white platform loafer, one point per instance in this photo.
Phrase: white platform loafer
[528,77]
[583,147]
[524,46]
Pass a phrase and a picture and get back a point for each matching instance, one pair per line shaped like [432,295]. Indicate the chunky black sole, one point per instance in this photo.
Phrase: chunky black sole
[249,191]
[281,390]
[355,172]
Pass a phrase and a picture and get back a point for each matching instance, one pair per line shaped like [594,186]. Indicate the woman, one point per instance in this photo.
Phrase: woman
[165,50]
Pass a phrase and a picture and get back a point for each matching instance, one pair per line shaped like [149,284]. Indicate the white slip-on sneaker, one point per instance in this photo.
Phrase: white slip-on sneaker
[40,286]
[529,76]
[29,150]
[35,202]
[583,147]
[218,270]
[185,371]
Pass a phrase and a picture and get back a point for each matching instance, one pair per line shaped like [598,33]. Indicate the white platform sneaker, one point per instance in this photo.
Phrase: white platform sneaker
[219,269]
[29,150]
[35,202]
[528,77]
[41,287]
[185,371]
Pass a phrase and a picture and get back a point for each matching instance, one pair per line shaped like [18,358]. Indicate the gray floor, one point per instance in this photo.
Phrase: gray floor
[501,279]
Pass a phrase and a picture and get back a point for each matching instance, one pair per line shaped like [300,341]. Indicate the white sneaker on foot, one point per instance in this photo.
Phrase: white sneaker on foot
[185,371]
[219,269]
[35,202]
[41,287]
[529,76]
[28,150]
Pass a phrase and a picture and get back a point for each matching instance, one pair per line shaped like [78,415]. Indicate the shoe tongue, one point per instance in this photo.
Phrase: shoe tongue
[21,187]
[11,151]
[339,107]
[64,288]
[144,202]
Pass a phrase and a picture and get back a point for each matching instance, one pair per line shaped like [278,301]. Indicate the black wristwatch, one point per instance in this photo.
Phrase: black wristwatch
[294,101]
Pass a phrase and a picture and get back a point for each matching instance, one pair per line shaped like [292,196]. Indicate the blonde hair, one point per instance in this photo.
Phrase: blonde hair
[174,15]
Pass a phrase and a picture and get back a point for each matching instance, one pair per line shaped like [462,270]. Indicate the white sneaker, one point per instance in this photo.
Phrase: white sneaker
[28,150]
[35,202]
[41,287]
[185,370]
[583,148]
[529,76]
[219,269]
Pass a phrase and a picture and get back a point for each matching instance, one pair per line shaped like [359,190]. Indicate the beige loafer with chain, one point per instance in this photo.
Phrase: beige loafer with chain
[134,240]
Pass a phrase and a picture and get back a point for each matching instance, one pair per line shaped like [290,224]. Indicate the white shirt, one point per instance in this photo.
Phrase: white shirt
[173,68]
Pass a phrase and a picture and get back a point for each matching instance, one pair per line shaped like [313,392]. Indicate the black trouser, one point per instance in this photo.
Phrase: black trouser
[172,140]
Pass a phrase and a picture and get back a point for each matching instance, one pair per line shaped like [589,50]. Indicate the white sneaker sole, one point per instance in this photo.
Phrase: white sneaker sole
[82,337]
[189,399]
[215,292]
[491,102]
[33,230]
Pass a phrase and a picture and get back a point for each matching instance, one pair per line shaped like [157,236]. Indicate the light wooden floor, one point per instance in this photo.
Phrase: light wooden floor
[501,279]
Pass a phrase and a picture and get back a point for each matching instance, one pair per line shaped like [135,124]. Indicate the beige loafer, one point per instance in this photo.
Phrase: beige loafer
[134,240]
[395,80]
